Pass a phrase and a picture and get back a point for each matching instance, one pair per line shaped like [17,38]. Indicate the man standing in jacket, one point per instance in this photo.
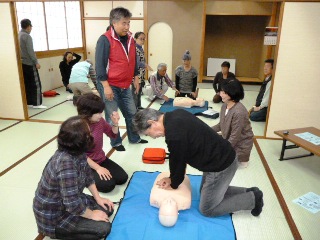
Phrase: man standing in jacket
[30,66]
[115,67]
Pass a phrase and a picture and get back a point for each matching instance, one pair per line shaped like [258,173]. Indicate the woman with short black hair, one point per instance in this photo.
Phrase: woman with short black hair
[66,65]
[221,78]
[107,173]
[234,121]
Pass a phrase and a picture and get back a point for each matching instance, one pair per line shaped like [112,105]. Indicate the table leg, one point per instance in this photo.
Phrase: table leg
[284,143]
[284,147]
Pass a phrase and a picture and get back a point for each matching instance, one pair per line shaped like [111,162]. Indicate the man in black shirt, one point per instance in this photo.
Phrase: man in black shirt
[191,141]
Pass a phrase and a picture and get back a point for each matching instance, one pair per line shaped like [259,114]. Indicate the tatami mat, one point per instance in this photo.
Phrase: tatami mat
[51,101]
[18,141]
[6,123]
[295,178]
[271,224]
[17,192]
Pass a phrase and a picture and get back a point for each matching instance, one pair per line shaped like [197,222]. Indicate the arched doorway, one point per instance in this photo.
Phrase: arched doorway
[160,40]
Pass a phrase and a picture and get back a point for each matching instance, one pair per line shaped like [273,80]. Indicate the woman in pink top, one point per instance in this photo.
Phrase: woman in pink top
[107,174]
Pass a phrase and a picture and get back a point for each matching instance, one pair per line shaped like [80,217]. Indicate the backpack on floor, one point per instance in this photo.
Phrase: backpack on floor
[50,93]
[154,155]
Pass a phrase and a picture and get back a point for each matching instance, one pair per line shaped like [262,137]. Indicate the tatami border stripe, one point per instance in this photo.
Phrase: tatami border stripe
[285,209]
[25,157]
[48,108]
[10,126]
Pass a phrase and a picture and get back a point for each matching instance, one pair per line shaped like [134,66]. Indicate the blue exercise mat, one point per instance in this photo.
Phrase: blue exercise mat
[168,107]
[137,220]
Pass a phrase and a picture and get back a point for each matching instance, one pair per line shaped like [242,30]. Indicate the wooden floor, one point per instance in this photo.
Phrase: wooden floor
[26,146]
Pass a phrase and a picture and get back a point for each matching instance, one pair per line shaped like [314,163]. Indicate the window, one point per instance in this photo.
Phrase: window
[34,12]
[56,25]
[73,19]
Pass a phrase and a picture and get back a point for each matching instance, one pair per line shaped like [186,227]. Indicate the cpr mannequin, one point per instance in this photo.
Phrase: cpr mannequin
[188,102]
[170,202]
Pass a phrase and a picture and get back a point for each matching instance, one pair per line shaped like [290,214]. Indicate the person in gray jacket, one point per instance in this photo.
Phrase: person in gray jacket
[30,66]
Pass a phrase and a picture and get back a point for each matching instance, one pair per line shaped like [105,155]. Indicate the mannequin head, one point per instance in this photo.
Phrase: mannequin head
[199,102]
[168,212]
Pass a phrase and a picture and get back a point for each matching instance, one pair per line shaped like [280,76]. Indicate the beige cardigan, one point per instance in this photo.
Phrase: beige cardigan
[236,128]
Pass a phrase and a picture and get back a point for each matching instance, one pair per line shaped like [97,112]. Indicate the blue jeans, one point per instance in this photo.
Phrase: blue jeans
[218,198]
[124,101]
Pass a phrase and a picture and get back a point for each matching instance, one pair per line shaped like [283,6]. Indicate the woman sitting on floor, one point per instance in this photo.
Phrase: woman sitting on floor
[234,121]
[186,78]
[65,67]
[107,174]
[60,207]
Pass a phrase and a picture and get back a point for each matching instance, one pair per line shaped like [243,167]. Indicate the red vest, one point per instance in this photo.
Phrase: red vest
[121,65]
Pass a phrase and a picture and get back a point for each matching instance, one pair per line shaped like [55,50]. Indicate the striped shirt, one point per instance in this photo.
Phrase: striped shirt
[59,199]
[97,130]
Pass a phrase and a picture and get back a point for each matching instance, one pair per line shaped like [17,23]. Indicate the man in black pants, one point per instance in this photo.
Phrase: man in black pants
[30,66]
[258,113]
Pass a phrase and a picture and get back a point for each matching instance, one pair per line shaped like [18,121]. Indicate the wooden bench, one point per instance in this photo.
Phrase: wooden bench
[289,135]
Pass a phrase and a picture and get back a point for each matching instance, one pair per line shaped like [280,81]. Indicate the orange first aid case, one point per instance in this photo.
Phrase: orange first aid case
[154,155]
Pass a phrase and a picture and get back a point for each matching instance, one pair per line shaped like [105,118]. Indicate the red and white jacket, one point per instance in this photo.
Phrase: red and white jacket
[121,65]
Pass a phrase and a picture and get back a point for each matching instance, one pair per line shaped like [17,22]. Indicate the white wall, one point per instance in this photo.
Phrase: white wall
[11,105]
[296,87]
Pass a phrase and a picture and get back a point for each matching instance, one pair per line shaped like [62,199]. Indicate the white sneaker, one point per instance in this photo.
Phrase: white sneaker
[39,107]
[70,97]
[243,164]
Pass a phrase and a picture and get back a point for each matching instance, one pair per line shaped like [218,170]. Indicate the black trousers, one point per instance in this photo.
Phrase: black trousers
[137,97]
[32,85]
[189,95]
[86,229]
[119,176]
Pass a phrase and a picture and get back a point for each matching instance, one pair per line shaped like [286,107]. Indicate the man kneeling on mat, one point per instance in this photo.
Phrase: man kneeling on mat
[191,141]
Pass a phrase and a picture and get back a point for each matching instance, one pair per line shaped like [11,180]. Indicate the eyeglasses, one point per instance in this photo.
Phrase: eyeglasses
[142,39]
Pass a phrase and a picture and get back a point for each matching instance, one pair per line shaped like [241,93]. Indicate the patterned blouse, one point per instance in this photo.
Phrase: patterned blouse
[59,199]
[157,81]
[141,62]
[186,81]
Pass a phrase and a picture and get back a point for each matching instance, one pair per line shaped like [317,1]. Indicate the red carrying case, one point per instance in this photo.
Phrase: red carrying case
[154,155]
